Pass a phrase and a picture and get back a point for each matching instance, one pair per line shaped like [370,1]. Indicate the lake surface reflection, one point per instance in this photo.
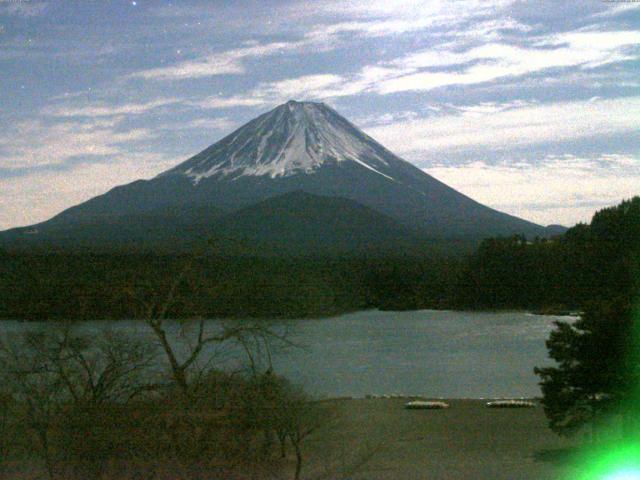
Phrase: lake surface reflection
[433,353]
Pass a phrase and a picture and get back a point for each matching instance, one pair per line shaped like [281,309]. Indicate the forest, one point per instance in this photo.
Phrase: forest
[589,261]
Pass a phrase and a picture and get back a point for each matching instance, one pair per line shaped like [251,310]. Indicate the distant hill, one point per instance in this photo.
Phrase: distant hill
[299,223]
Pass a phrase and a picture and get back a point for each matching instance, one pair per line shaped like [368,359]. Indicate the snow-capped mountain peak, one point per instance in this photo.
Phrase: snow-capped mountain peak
[293,138]
[294,156]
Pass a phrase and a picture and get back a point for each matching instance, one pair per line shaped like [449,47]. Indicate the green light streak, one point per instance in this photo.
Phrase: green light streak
[624,475]
[611,462]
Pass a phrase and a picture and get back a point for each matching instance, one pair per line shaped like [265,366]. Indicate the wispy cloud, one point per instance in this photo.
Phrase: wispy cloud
[106,110]
[309,86]
[557,188]
[305,87]
[223,63]
[35,144]
[329,29]
[613,10]
[505,126]
[492,29]
[219,102]
[399,16]
[433,68]
[385,118]
[218,124]
[476,29]
[498,60]
[413,8]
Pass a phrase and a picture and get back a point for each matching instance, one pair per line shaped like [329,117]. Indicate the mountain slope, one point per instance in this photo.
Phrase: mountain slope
[160,229]
[298,223]
[298,146]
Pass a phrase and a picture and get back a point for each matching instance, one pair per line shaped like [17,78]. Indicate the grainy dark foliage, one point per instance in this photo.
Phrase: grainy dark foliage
[598,359]
[589,261]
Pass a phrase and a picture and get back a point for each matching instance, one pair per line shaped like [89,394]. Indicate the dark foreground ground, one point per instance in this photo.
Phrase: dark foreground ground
[379,439]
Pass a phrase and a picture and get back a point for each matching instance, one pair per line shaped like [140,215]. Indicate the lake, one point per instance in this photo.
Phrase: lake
[433,353]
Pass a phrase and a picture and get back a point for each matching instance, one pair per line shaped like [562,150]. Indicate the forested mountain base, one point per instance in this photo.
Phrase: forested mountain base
[589,261]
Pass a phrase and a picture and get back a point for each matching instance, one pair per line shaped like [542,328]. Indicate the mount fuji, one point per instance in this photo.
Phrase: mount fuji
[299,174]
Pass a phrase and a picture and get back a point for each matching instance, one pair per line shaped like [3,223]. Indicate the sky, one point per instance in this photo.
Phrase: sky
[532,108]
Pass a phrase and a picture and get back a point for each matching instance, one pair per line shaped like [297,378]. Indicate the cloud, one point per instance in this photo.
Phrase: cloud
[305,87]
[385,118]
[412,8]
[220,123]
[370,19]
[493,61]
[378,28]
[615,10]
[492,29]
[34,198]
[484,108]
[433,68]
[104,110]
[223,63]
[218,101]
[509,125]
[383,16]
[563,189]
[35,144]
[481,64]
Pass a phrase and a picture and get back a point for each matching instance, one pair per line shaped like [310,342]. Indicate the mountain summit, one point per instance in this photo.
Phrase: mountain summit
[294,138]
[303,147]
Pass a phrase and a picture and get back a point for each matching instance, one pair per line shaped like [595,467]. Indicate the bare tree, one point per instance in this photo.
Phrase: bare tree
[191,352]
[91,369]
[183,367]
[62,376]
[291,414]
[5,428]
[253,337]
[304,418]
[31,382]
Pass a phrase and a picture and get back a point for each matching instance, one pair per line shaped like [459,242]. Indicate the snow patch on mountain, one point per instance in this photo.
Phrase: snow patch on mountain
[294,138]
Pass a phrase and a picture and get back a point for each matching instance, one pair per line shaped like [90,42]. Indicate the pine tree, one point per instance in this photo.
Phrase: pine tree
[597,367]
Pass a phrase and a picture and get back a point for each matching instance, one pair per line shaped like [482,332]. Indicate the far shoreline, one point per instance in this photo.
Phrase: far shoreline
[543,312]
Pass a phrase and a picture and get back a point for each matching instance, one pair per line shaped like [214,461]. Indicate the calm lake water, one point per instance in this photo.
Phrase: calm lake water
[433,353]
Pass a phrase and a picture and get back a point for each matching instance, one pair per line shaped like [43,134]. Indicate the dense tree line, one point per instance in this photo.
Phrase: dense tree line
[588,261]
[88,286]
